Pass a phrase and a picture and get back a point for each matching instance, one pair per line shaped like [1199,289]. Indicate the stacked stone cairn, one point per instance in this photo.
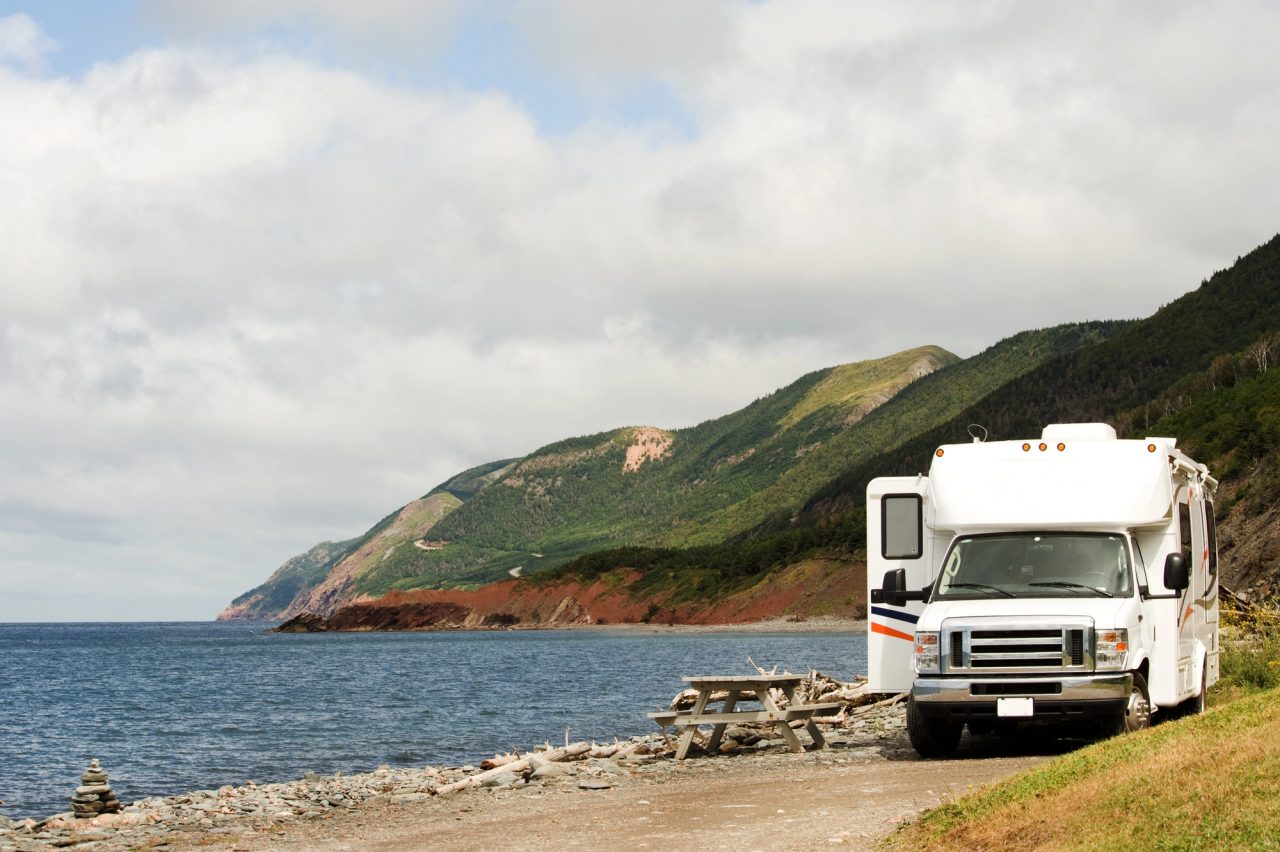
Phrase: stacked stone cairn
[94,796]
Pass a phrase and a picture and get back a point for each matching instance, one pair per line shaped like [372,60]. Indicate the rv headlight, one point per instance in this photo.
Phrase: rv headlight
[926,658]
[1112,648]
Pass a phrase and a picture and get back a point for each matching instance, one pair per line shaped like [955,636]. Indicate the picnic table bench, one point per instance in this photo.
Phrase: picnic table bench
[743,688]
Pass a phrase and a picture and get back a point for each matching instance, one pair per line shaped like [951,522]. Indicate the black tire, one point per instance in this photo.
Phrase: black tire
[932,737]
[1137,710]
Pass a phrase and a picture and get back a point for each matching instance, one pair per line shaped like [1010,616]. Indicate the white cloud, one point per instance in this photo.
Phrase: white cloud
[250,303]
[22,43]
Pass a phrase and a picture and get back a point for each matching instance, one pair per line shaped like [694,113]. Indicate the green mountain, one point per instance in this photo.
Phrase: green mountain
[701,513]
[295,577]
[630,485]
[1200,369]
[1106,381]
[643,486]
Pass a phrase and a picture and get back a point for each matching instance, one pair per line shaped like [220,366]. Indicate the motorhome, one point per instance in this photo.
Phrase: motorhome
[1070,578]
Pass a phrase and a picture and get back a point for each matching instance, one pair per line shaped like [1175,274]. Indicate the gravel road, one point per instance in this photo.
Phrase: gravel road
[755,795]
[854,793]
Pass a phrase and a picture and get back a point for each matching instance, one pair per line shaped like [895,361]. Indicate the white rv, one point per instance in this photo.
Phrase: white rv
[1066,578]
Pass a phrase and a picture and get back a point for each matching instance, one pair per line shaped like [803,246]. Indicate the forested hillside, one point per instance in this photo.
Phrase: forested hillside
[635,484]
[1199,369]
[696,515]
[1104,382]
[643,486]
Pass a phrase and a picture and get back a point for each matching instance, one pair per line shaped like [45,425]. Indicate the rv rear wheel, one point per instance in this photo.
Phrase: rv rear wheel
[932,737]
[1137,710]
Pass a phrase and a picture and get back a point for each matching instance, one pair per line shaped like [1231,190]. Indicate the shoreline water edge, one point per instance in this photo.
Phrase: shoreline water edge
[814,624]
[235,814]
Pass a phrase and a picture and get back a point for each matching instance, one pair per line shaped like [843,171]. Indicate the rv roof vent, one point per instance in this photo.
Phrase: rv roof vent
[1078,432]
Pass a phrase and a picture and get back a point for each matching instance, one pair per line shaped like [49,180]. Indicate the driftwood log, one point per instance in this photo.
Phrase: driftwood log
[554,755]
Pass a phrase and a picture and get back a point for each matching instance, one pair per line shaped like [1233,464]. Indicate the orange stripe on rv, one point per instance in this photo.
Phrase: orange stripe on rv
[889,631]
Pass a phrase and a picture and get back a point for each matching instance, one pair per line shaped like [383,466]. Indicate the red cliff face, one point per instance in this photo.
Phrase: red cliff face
[817,587]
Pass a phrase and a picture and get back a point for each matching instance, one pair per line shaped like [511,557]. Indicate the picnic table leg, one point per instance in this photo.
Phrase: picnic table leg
[819,741]
[729,703]
[686,739]
[787,734]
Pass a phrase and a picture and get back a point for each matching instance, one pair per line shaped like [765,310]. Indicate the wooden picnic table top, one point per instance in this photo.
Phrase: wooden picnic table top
[741,681]
[734,686]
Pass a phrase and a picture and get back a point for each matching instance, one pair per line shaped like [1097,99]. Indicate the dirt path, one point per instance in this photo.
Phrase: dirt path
[853,793]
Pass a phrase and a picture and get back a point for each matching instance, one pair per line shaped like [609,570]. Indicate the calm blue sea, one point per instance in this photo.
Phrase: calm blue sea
[185,706]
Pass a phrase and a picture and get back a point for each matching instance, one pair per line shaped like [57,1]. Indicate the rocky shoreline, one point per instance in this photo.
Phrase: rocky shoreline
[309,623]
[240,816]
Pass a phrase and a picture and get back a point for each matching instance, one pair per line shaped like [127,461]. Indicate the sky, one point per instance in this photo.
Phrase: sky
[270,269]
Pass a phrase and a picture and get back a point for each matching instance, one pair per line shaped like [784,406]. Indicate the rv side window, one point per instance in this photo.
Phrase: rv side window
[901,527]
[1139,564]
[1184,531]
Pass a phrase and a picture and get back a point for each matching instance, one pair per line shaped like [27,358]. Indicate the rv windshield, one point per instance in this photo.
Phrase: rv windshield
[1036,565]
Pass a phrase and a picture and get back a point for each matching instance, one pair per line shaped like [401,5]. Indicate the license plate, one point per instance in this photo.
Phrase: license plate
[1015,707]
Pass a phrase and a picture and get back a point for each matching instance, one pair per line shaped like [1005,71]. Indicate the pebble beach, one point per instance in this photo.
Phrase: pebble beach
[248,815]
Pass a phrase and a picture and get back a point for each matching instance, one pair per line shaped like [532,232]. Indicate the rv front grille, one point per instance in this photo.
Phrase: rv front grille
[1017,649]
[1014,687]
[1077,647]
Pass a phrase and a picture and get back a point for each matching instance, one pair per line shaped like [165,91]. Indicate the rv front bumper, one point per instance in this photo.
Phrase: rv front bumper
[1058,698]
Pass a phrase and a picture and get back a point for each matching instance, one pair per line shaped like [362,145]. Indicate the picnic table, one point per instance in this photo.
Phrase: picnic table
[743,688]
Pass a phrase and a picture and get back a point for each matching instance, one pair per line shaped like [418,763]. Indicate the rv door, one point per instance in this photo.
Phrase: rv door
[899,551]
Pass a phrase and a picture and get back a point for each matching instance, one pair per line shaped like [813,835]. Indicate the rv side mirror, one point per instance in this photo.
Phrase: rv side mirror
[892,587]
[1176,575]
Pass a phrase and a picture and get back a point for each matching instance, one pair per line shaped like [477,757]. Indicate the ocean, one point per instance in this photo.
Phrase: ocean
[172,707]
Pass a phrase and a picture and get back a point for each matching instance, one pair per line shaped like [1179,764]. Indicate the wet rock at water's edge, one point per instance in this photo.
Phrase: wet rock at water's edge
[303,622]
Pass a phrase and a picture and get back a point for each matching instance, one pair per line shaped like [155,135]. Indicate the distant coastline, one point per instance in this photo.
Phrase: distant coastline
[307,623]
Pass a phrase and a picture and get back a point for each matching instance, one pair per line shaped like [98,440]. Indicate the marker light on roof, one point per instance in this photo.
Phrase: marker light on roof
[1043,446]
[1061,447]
[939,452]
[1026,448]
[1151,448]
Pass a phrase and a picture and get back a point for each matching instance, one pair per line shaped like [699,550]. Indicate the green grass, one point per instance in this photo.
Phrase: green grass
[850,385]
[1209,781]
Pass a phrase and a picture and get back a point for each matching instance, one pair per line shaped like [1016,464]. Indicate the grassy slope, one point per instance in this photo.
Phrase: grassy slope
[932,400]
[573,496]
[1211,781]
[1107,380]
[1208,781]
[708,572]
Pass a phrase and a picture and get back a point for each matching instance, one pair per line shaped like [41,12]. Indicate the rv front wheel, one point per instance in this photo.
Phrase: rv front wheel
[1137,710]
[932,737]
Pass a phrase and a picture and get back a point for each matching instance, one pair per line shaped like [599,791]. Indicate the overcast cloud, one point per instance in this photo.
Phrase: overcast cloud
[254,296]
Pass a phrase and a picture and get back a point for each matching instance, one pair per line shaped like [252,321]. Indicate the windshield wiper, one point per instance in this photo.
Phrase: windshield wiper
[981,586]
[1059,584]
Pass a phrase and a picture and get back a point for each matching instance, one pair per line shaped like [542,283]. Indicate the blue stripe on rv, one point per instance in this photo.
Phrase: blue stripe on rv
[895,613]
